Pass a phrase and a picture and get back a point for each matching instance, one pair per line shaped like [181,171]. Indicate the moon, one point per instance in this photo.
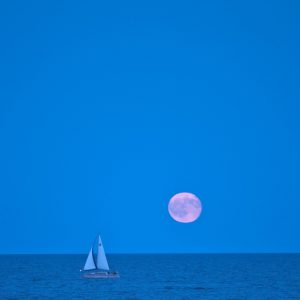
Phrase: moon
[185,207]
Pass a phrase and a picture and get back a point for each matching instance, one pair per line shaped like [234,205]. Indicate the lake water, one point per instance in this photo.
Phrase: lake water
[166,276]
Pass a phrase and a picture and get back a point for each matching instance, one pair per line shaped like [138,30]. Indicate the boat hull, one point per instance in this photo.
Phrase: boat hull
[101,275]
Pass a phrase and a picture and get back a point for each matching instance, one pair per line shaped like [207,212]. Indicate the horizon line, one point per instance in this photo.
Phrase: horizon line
[152,253]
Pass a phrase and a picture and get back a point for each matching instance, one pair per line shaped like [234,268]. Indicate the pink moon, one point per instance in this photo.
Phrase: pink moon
[185,207]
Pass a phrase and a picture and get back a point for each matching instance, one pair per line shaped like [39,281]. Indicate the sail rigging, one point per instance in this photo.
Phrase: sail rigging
[101,261]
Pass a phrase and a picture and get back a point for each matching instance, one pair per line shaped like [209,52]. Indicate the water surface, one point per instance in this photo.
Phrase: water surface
[158,276]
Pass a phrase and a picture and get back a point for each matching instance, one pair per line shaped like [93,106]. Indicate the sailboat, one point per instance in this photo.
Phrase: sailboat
[98,268]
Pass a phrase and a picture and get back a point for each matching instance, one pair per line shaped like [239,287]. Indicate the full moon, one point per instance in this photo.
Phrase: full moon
[185,207]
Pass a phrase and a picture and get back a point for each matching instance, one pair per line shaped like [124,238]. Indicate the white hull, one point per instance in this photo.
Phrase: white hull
[101,275]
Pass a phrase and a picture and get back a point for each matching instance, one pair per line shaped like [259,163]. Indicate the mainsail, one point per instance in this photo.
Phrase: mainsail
[90,264]
[101,258]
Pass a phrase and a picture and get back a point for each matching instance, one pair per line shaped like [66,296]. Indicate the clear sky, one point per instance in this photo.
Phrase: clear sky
[109,108]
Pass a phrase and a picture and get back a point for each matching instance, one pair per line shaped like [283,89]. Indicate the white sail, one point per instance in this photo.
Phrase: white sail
[90,264]
[101,258]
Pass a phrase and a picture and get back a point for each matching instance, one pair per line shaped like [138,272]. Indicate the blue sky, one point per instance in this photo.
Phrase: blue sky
[107,109]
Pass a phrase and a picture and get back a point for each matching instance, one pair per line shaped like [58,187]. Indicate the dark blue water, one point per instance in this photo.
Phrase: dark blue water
[203,276]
